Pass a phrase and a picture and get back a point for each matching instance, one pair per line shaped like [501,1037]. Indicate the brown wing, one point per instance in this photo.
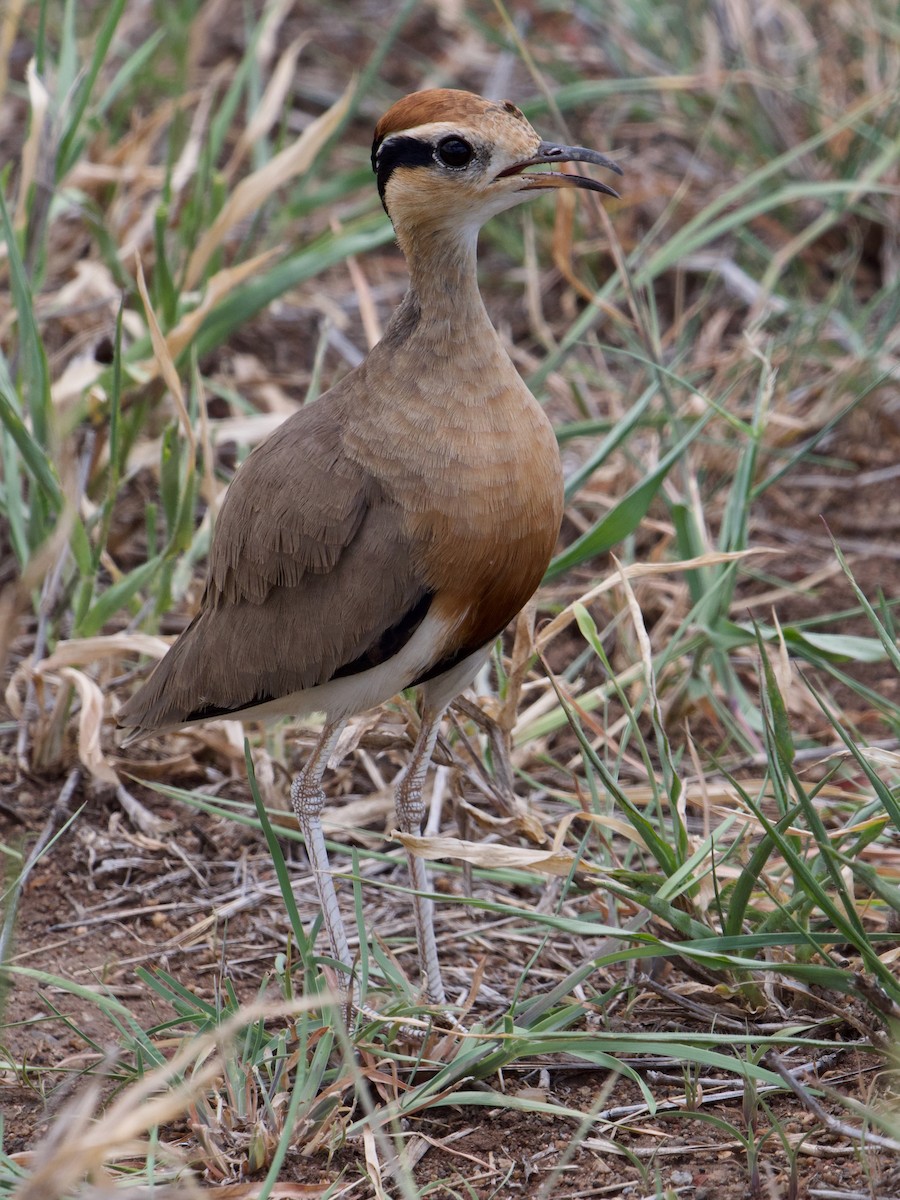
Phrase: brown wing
[309,578]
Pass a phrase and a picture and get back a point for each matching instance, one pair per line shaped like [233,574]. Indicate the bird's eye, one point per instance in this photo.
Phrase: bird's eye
[455,152]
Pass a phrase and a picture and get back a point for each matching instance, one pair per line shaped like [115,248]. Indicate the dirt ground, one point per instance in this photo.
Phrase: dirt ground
[107,898]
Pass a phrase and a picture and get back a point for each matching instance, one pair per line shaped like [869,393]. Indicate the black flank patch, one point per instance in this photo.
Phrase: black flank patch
[391,641]
[388,643]
[209,711]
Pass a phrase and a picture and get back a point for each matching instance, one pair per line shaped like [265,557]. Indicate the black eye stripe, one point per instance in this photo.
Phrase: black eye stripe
[399,152]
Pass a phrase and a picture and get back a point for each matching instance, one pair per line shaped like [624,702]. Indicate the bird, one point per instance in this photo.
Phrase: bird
[386,533]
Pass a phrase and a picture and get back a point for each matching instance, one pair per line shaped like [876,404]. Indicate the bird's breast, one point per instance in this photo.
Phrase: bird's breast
[480,487]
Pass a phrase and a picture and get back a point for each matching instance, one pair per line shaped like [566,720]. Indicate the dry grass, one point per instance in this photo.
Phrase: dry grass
[674,799]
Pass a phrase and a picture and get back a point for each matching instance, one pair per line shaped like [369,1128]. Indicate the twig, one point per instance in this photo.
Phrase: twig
[139,815]
[705,1012]
[811,754]
[831,1194]
[850,483]
[832,1124]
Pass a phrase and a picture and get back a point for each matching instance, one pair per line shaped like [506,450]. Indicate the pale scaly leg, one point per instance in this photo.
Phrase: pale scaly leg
[308,800]
[410,812]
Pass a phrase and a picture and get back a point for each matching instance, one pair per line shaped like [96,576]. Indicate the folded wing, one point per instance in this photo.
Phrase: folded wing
[310,578]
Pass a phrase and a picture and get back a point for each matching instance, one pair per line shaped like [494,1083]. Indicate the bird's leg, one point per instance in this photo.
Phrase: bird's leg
[410,812]
[308,800]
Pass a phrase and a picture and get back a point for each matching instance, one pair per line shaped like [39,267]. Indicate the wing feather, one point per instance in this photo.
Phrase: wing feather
[311,575]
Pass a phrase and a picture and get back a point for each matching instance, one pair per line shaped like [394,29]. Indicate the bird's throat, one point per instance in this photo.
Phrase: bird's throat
[443,316]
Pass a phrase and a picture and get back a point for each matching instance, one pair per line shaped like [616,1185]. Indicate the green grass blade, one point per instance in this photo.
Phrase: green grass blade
[616,436]
[32,453]
[119,595]
[71,141]
[625,516]
[302,941]
[36,376]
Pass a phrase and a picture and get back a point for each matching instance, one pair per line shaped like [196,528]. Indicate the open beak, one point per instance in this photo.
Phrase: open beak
[550,152]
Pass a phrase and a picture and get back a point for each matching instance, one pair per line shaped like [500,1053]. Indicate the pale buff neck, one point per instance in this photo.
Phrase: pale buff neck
[443,293]
[440,351]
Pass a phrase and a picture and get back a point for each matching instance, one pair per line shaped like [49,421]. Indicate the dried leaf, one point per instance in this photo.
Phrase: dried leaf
[522,820]
[90,721]
[480,854]
[176,766]
[94,649]
[40,101]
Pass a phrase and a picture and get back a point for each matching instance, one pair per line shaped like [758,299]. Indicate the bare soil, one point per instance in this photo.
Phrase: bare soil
[199,898]
[107,898]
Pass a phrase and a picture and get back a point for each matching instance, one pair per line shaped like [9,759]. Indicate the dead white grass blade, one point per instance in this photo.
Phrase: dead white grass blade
[546,714]
[479,854]
[372,1163]
[165,769]
[218,286]
[278,1191]
[521,821]
[368,310]
[16,597]
[40,102]
[92,286]
[256,189]
[270,106]
[134,214]
[246,431]
[78,375]
[556,862]
[209,488]
[878,755]
[186,167]
[146,453]
[164,359]
[9,26]
[640,571]
[640,629]
[76,651]
[521,659]
[60,666]
[742,604]
[782,665]
[276,13]
[166,351]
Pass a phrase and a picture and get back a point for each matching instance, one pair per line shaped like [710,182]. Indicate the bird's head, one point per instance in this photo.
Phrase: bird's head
[450,159]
